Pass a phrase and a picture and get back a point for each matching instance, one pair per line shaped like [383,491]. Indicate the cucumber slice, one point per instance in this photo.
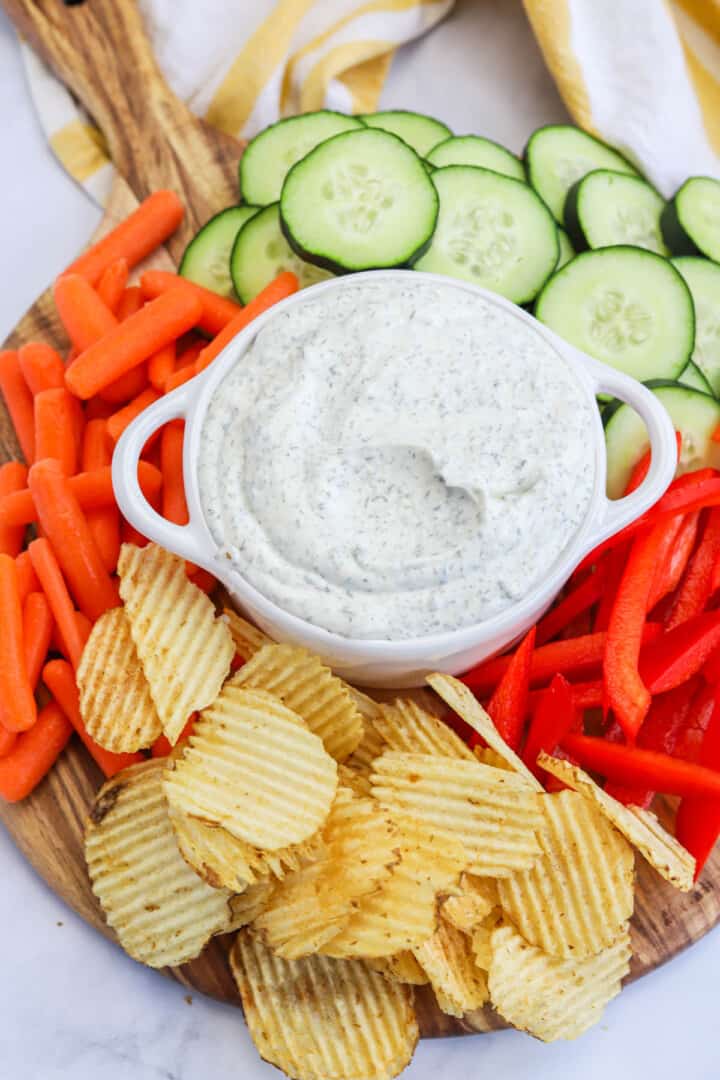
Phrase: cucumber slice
[474,150]
[627,307]
[261,252]
[693,377]
[360,201]
[269,157]
[559,154]
[703,279]
[606,208]
[417,130]
[492,231]
[206,260]
[691,220]
[694,414]
[567,251]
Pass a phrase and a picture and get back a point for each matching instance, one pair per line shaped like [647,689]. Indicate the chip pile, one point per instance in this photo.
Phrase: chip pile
[357,850]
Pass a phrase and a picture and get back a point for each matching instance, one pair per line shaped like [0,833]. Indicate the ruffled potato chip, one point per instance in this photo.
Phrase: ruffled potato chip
[322,1019]
[637,825]
[476,899]
[579,895]
[493,813]
[360,850]
[305,685]
[402,913]
[184,650]
[161,911]
[465,704]
[115,701]
[549,997]
[447,959]
[252,767]
[402,967]
[405,725]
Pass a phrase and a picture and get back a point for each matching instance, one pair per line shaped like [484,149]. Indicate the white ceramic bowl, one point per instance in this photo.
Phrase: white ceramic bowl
[374,662]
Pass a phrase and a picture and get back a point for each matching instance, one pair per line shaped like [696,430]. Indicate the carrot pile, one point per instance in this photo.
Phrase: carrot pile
[128,345]
[622,675]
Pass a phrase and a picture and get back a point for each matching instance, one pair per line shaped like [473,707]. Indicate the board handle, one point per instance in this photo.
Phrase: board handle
[100,50]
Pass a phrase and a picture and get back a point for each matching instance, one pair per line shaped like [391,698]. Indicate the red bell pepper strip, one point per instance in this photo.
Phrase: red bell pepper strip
[711,670]
[508,706]
[693,491]
[635,767]
[668,576]
[586,695]
[572,605]
[574,656]
[625,692]
[681,653]
[664,724]
[697,584]
[555,715]
[697,825]
[694,723]
[614,569]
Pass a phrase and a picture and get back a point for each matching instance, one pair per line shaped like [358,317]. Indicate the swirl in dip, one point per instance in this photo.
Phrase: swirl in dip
[396,458]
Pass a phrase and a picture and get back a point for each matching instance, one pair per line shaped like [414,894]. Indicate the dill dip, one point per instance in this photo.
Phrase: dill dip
[396,458]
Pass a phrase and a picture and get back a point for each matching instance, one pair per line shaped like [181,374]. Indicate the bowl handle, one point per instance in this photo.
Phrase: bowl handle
[186,540]
[621,512]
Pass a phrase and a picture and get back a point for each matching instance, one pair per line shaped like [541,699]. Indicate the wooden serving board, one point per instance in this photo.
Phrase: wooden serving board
[99,49]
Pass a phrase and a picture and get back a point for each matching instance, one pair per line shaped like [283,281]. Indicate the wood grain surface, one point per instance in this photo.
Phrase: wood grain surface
[99,49]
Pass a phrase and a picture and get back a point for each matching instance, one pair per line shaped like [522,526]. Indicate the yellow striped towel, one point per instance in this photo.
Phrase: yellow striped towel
[642,74]
[243,65]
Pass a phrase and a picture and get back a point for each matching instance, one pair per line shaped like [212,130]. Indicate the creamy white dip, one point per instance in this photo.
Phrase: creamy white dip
[396,458]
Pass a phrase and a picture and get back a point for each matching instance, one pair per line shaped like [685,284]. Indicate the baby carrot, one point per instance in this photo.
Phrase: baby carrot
[155,219]
[26,576]
[38,625]
[135,381]
[53,585]
[59,678]
[160,366]
[174,504]
[217,311]
[104,523]
[84,315]
[84,628]
[131,301]
[177,378]
[132,342]
[284,285]
[8,740]
[97,409]
[55,428]
[66,527]
[130,535]
[42,367]
[16,693]
[189,354]
[34,753]
[19,402]
[93,490]
[13,477]
[124,417]
[128,386]
[112,283]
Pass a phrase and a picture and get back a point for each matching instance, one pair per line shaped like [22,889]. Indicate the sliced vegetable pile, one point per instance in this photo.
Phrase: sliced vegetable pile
[128,345]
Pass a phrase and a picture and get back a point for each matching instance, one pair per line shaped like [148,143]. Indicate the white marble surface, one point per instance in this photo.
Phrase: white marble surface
[73,1007]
